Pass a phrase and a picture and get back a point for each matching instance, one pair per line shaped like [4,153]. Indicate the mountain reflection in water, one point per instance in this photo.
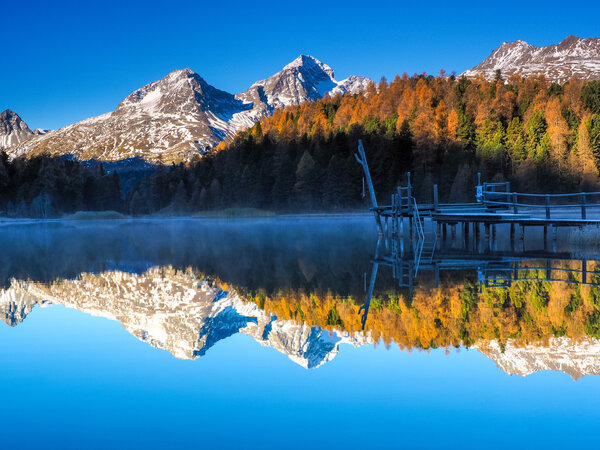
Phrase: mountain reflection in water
[298,286]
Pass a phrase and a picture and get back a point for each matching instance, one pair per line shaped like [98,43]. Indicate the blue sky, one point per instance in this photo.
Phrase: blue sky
[63,62]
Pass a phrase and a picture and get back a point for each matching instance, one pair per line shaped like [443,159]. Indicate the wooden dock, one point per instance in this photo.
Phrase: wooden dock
[495,204]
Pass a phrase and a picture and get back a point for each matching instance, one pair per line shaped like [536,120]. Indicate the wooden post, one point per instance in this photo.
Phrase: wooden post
[399,199]
[583,271]
[512,236]
[522,237]
[515,202]
[484,195]
[583,203]
[409,194]
[547,209]
[361,158]
[435,197]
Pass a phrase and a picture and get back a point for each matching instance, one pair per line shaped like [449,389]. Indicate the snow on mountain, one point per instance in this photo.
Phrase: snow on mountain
[15,304]
[178,311]
[572,57]
[13,130]
[181,116]
[304,79]
[353,84]
[576,358]
[186,314]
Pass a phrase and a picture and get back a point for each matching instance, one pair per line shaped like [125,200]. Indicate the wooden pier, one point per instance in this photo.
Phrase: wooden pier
[432,225]
[495,204]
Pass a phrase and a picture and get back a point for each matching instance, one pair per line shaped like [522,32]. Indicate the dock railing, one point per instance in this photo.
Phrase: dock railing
[581,201]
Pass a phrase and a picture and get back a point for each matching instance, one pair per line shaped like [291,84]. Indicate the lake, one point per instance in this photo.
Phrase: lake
[293,332]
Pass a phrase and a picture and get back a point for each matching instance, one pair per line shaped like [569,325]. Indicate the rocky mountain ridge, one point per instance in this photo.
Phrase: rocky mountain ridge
[178,311]
[563,354]
[180,116]
[573,56]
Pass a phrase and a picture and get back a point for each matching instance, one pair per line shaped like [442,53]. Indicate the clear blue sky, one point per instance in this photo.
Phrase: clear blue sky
[64,62]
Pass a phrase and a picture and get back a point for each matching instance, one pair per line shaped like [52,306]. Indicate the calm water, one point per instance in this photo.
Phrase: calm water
[253,333]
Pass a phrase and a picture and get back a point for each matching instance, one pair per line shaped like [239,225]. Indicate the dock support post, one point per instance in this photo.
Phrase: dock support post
[435,198]
[583,271]
[583,203]
[547,206]
[522,238]
[554,237]
[515,204]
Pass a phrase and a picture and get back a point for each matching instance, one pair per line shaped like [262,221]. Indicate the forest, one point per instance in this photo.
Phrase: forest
[459,312]
[542,137]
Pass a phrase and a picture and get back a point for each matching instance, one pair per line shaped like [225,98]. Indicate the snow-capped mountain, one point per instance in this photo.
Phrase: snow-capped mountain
[185,313]
[178,311]
[181,115]
[13,130]
[572,57]
[576,358]
[304,79]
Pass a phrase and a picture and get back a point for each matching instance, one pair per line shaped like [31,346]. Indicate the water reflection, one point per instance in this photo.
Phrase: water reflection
[306,286]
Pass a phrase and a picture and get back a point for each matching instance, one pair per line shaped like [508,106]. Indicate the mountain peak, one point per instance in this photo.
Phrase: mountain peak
[513,45]
[558,63]
[8,115]
[180,73]
[311,63]
[13,130]
[570,39]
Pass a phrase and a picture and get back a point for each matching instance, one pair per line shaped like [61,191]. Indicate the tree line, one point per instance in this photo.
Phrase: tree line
[542,137]
[51,186]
